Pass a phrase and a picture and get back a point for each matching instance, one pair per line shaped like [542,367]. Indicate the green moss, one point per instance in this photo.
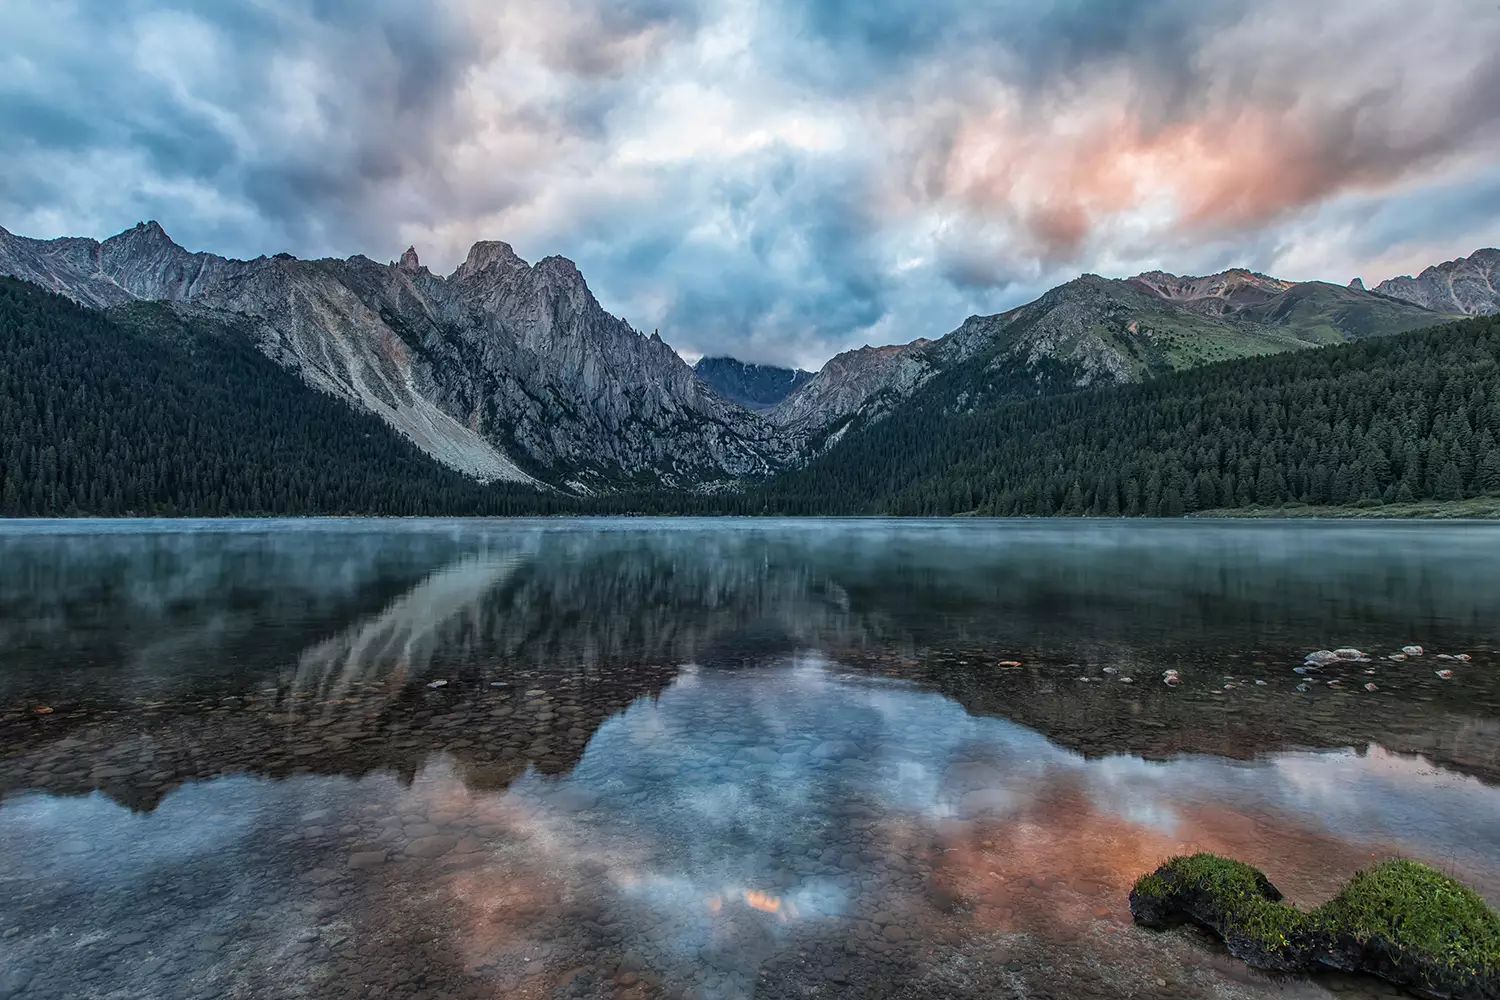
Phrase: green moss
[1241,893]
[1421,917]
[1151,886]
[1420,911]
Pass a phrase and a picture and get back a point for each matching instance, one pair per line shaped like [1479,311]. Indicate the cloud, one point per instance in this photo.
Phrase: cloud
[776,180]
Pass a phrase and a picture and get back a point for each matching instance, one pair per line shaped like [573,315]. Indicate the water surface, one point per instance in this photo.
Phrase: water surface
[713,758]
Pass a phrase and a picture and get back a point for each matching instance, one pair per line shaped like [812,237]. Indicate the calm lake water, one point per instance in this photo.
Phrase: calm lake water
[638,758]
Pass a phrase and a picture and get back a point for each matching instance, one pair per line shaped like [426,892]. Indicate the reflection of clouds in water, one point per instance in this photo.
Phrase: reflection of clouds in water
[1376,796]
[113,844]
[740,811]
[727,785]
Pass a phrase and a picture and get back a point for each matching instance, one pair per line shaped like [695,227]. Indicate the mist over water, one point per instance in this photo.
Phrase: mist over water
[713,758]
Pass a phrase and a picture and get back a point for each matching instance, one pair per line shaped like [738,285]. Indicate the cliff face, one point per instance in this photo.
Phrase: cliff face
[503,369]
[1469,285]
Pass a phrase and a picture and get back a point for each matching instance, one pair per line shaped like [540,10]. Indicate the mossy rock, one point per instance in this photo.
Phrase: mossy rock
[1233,900]
[1401,920]
[1415,926]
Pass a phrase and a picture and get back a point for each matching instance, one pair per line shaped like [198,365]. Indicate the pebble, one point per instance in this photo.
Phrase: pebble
[1412,650]
[1445,674]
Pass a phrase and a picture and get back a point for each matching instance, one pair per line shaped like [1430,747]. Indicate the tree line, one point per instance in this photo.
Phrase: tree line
[139,412]
[143,412]
[1410,417]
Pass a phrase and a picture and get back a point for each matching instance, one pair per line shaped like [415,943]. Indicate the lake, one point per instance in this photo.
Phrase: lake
[715,758]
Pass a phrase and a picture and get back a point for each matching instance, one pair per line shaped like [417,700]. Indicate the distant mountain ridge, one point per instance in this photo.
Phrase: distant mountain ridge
[1469,286]
[753,386]
[510,371]
[1096,331]
[503,370]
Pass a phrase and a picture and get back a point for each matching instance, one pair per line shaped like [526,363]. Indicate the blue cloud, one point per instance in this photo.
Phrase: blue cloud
[778,181]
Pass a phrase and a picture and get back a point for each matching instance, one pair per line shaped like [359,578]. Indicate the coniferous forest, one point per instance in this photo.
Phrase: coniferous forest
[138,412]
[143,411]
[1410,417]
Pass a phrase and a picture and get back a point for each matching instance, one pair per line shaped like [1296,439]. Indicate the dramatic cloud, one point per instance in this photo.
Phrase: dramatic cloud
[773,179]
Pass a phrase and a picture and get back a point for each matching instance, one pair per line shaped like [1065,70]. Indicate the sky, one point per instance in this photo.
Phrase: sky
[778,180]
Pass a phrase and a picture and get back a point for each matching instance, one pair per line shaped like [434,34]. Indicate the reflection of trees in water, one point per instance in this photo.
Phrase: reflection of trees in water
[349,626]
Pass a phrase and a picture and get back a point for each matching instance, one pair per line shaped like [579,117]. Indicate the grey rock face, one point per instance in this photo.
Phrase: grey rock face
[852,382]
[503,370]
[1469,285]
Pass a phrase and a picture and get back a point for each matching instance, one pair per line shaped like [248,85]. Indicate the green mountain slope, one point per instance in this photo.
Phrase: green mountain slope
[1413,416]
[1095,331]
[1107,330]
[143,411]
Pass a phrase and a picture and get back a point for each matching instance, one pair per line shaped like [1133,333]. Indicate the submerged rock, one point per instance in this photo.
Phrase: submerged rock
[1412,650]
[1320,657]
[1401,920]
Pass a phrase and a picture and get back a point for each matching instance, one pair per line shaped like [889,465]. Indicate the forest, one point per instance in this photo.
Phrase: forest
[139,412]
[1394,419]
[144,411]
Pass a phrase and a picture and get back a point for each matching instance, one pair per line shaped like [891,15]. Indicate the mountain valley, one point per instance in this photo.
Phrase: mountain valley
[510,372]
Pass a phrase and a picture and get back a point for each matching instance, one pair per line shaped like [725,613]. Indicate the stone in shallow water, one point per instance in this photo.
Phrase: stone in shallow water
[366,859]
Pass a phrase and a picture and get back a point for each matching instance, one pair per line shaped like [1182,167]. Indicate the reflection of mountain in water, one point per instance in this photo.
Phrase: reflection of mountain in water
[172,657]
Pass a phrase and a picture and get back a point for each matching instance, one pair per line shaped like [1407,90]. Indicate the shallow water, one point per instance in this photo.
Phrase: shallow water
[713,758]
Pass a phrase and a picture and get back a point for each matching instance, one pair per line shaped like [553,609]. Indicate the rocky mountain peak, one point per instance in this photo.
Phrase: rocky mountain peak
[1223,285]
[487,255]
[143,237]
[561,270]
[409,262]
[1469,285]
[1357,284]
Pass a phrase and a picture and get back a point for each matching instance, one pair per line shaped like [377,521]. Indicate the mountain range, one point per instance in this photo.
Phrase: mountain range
[1469,285]
[509,371]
